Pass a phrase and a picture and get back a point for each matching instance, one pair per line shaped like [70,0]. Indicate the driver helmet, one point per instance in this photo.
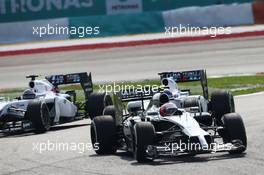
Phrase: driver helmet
[168,109]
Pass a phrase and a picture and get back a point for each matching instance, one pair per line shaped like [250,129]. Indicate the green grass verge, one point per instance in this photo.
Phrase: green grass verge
[237,85]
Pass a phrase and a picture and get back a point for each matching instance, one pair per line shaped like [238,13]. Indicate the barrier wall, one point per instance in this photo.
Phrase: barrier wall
[138,23]
[18,32]
[121,24]
[27,10]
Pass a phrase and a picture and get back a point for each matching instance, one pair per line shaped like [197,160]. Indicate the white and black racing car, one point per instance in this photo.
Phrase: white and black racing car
[42,104]
[174,122]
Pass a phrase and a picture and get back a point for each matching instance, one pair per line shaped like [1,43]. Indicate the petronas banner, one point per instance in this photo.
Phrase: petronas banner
[24,10]
[28,10]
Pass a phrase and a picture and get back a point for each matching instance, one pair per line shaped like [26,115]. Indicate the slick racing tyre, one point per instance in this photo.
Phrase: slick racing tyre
[144,136]
[234,131]
[38,114]
[96,104]
[110,110]
[222,103]
[103,135]
[191,102]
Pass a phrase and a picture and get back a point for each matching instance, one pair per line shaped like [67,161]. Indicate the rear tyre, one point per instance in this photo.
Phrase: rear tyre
[97,102]
[38,114]
[222,103]
[103,134]
[191,102]
[234,130]
[144,136]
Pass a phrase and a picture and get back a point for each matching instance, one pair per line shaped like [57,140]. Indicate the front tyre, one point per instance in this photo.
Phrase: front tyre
[144,136]
[103,134]
[234,130]
[38,114]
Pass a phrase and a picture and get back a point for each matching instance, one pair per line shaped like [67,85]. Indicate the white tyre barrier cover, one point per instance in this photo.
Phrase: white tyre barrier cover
[211,16]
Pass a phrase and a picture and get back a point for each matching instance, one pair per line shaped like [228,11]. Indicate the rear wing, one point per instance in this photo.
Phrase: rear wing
[189,76]
[84,79]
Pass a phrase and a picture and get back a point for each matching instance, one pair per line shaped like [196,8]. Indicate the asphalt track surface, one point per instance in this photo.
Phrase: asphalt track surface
[18,155]
[219,57]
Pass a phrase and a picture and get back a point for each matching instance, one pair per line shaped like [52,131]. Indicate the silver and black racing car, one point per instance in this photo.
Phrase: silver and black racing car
[170,121]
